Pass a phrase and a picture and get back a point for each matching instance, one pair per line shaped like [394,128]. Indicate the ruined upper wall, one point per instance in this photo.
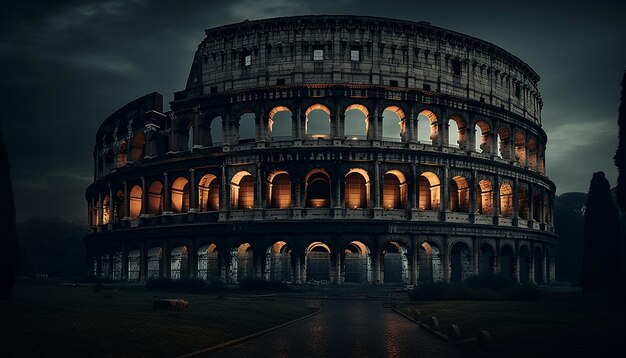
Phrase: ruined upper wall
[395,53]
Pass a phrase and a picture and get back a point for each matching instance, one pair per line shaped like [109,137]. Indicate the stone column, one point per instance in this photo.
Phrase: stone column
[530,202]
[414,261]
[337,187]
[475,256]
[193,192]
[446,258]
[197,136]
[124,273]
[517,263]
[473,198]
[531,274]
[542,216]
[442,131]
[143,261]
[341,126]
[100,209]
[495,192]
[192,259]
[165,260]
[497,257]
[298,194]
[338,268]
[411,126]
[224,189]
[258,188]
[414,187]
[298,269]
[445,190]
[377,258]
[126,201]
[515,208]
[111,205]
[167,200]
[377,185]
[511,145]
[544,272]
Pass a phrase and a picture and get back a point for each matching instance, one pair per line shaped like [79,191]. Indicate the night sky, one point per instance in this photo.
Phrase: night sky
[67,65]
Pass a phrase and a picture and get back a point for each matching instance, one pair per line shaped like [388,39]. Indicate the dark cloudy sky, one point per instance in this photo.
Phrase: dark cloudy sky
[66,65]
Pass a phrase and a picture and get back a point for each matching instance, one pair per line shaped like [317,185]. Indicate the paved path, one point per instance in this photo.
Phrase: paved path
[347,328]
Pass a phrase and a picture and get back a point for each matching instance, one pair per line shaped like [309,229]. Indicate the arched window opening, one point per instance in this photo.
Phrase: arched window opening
[136,150]
[106,203]
[523,202]
[190,136]
[427,131]
[538,258]
[317,263]
[394,190]
[460,262]
[506,200]
[393,124]
[247,128]
[546,209]
[504,147]
[456,132]
[278,262]
[520,148]
[122,154]
[429,191]
[154,262]
[524,264]
[318,190]
[179,263]
[134,265]
[135,201]
[430,263]
[280,191]
[280,123]
[180,195]
[532,153]
[155,198]
[96,212]
[217,137]
[536,203]
[485,201]
[317,124]
[395,263]
[356,190]
[482,132]
[242,191]
[459,194]
[357,263]
[357,122]
[208,263]
[507,262]
[243,262]
[209,193]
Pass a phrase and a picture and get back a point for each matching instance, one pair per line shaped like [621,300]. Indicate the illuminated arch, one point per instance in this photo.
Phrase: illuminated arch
[506,200]
[429,191]
[155,198]
[136,197]
[317,127]
[180,195]
[136,149]
[357,189]
[280,124]
[279,189]
[394,190]
[485,200]
[209,193]
[396,116]
[356,126]
[483,131]
[459,194]
[317,189]
[427,132]
[242,190]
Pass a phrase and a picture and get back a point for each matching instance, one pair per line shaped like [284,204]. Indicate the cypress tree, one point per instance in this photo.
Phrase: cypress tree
[620,154]
[8,233]
[601,255]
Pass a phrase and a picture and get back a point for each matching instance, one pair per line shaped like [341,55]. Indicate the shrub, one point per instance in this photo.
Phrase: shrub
[478,289]
[260,284]
[490,281]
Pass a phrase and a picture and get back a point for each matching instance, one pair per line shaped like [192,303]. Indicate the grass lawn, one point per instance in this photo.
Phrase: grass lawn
[563,326]
[48,319]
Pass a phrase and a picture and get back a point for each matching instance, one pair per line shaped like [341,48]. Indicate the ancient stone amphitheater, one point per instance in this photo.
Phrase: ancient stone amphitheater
[329,149]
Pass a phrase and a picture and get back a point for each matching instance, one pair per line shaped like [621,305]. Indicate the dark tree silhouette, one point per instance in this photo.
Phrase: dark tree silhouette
[569,221]
[620,155]
[8,235]
[601,256]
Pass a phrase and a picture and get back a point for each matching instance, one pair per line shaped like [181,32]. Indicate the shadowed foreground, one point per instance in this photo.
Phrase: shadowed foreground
[347,328]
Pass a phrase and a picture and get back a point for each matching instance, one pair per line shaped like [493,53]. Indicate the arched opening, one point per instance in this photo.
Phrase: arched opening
[317,124]
[506,200]
[209,193]
[523,202]
[208,263]
[524,264]
[190,135]
[548,266]
[122,154]
[134,265]
[357,122]
[486,260]
[105,266]
[136,150]
[538,258]
[242,262]
[317,262]
[394,190]
[460,262]
[395,263]
[456,132]
[242,191]
[485,200]
[357,262]
[504,147]
[180,195]
[96,212]
[482,131]
[536,205]
[116,266]
[317,189]
[278,262]
[154,262]
[135,201]
[546,209]
[532,153]
[106,203]
[280,123]
[155,198]
[459,194]
[179,263]
[427,132]
[280,190]
[431,268]
[520,148]
[118,209]
[393,124]
[507,262]
[247,128]
[356,189]
[216,127]
[429,193]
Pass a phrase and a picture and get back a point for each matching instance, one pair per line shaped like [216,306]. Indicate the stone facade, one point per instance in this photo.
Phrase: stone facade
[329,148]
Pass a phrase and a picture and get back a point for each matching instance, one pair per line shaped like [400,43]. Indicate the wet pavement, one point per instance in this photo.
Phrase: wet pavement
[347,328]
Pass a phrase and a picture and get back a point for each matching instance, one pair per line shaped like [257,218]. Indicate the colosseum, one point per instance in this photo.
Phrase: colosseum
[329,149]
